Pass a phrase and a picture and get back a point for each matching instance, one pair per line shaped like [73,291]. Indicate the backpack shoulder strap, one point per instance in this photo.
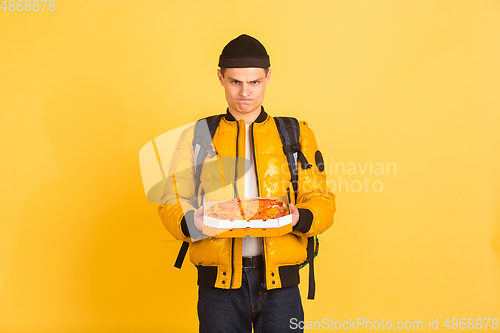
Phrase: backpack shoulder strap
[204,131]
[289,131]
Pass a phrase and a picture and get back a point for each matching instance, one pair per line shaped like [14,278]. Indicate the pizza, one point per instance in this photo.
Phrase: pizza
[248,209]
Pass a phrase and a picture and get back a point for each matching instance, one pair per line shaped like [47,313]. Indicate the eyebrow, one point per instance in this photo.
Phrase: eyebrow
[233,79]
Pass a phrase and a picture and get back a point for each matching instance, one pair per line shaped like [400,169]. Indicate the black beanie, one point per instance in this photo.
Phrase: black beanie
[244,51]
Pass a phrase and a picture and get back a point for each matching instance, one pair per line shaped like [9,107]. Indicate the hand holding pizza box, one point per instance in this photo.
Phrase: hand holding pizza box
[256,217]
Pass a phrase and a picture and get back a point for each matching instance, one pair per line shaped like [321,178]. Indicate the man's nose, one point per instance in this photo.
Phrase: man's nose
[245,91]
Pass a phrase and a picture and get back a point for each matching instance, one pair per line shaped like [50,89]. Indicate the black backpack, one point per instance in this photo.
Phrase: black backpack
[289,131]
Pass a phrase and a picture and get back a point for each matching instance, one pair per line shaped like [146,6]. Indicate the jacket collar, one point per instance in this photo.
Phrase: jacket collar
[260,119]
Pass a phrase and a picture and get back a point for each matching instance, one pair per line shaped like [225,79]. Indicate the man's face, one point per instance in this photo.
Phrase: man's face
[244,88]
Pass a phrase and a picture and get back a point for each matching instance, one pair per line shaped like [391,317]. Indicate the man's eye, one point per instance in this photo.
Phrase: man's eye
[255,82]
[235,82]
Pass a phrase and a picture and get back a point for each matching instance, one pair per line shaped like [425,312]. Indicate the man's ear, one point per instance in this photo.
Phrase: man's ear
[268,76]
[221,77]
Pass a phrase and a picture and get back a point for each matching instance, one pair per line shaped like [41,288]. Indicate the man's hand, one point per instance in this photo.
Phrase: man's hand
[295,214]
[198,218]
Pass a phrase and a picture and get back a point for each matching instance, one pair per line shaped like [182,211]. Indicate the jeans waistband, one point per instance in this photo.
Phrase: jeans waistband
[253,262]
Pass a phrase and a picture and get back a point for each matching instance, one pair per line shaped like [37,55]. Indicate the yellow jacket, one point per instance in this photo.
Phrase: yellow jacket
[219,260]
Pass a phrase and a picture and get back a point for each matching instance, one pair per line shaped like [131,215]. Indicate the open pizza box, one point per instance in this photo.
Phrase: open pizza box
[241,227]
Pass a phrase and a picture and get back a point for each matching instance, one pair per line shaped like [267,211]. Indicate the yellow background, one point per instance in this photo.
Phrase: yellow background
[84,87]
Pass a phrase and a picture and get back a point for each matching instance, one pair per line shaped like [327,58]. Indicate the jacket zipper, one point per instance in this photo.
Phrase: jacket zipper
[235,190]
[236,162]
[258,194]
[254,160]
[232,264]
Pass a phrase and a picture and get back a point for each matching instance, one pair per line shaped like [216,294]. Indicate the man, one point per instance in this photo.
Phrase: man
[251,281]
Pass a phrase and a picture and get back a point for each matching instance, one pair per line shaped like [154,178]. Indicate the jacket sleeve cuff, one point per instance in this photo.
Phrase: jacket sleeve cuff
[305,221]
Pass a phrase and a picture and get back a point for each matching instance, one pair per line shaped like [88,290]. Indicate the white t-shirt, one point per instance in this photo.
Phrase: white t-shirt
[252,246]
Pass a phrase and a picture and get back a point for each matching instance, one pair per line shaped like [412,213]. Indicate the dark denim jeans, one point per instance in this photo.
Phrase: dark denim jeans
[235,310]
